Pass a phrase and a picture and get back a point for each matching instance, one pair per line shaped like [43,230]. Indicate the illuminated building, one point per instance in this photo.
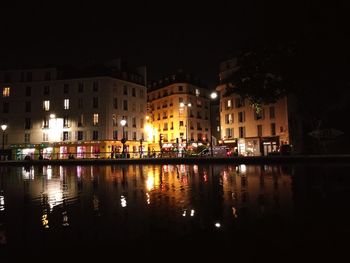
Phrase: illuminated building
[178,107]
[55,112]
[242,127]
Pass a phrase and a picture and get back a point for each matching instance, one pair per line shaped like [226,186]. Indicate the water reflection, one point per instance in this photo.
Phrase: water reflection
[125,203]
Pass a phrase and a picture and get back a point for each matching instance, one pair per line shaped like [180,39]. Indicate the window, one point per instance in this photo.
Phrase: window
[229,104]
[133,106]
[272,112]
[126,135]
[27,123]
[241,116]
[45,123]
[165,127]
[181,124]
[45,137]
[259,115]
[115,103]
[95,86]
[81,120]
[141,122]
[181,99]
[47,75]
[199,103]
[171,113]
[6,107]
[46,105]
[134,122]
[239,102]
[273,129]
[241,132]
[114,120]
[29,76]
[28,106]
[164,115]
[28,91]
[198,92]
[7,77]
[142,93]
[6,91]
[80,103]
[171,125]
[95,119]
[133,92]
[134,136]
[95,135]
[115,135]
[80,135]
[199,127]
[125,90]
[27,137]
[46,90]
[65,136]
[141,108]
[125,105]
[65,88]
[95,102]
[181,111]
[80,87]
[181,88]
[259,129]
[66,104]
[229,118]
[65,122]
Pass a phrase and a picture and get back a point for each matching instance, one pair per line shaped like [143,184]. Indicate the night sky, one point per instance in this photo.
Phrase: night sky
[196,37]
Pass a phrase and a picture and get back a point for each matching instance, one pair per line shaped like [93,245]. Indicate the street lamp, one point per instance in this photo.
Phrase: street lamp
[188,105]
[3,128]
[123,123]
[213,96]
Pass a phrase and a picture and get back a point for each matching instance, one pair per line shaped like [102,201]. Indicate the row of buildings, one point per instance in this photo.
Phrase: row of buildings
[59,112]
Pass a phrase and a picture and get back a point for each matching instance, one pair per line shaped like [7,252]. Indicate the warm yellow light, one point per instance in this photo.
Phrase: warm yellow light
[149,132]
[147,117]
[150,182]
[52,116]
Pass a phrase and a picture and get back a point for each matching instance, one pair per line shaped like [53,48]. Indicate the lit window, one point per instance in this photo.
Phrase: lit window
[229,103]
[95,119]
[46,105]
[66,104]
[197,92]
[6,92]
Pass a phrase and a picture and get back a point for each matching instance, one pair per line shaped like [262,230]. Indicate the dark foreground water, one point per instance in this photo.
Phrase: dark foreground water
[249,212]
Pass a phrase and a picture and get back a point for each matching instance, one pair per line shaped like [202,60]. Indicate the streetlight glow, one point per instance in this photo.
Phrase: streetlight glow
[3,127]
[123,122]
[213,95]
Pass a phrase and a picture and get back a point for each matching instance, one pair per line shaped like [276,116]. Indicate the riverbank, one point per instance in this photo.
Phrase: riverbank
[316,159]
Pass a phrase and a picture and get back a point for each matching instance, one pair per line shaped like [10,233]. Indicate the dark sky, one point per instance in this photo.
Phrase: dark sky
[196,37]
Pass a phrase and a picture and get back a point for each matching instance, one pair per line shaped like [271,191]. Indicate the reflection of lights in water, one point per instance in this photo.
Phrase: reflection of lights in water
[123,201]
[2,203]
[192,212]
[195,169]
[234,212]
[79,171]
[184,213]
[148,198]
[205,177]
[65,219]
[54,193]
[218,225]
[242,168]
[150,182]
[45,221]
[49,172]
[28,174]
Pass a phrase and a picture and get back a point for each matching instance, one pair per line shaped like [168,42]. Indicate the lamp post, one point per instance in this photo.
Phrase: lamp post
[123,123]
[187,105]
[3,128]
[213,96]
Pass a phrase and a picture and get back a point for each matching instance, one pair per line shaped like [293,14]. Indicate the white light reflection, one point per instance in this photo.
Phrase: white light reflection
[150,182]
[28,173]
[242,168]
[192,212]
[123,201]
[234,212]
[2,203]
[184,213]
[65,219]
[148,198]
[49,172]
[79,171]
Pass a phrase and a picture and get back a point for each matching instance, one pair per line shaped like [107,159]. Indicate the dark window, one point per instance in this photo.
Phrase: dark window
[95,86]
[259,128]
[65,88]
[81,87]
[29,76]
[125,90]
[95,135]
[45,123]
[65,136]
[115,103]
[28,91]
[133,92]
[241,117]
[80,103]
[80,135]
[125,105]
[272,112]
[259,115]
[273,129]
[7,78]
[6,107]
[28,107]
[27,123]
[134,136]
[134,122]
[95,102]
[181,88]
[115,135]
[46,90]
[241,132]
[181,123]
[47,75]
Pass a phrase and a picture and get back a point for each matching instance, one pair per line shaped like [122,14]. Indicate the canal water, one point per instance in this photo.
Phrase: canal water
[250,212]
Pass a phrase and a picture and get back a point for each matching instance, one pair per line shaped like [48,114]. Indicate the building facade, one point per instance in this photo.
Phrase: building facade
[179,112]
[253,132]
[52,113]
